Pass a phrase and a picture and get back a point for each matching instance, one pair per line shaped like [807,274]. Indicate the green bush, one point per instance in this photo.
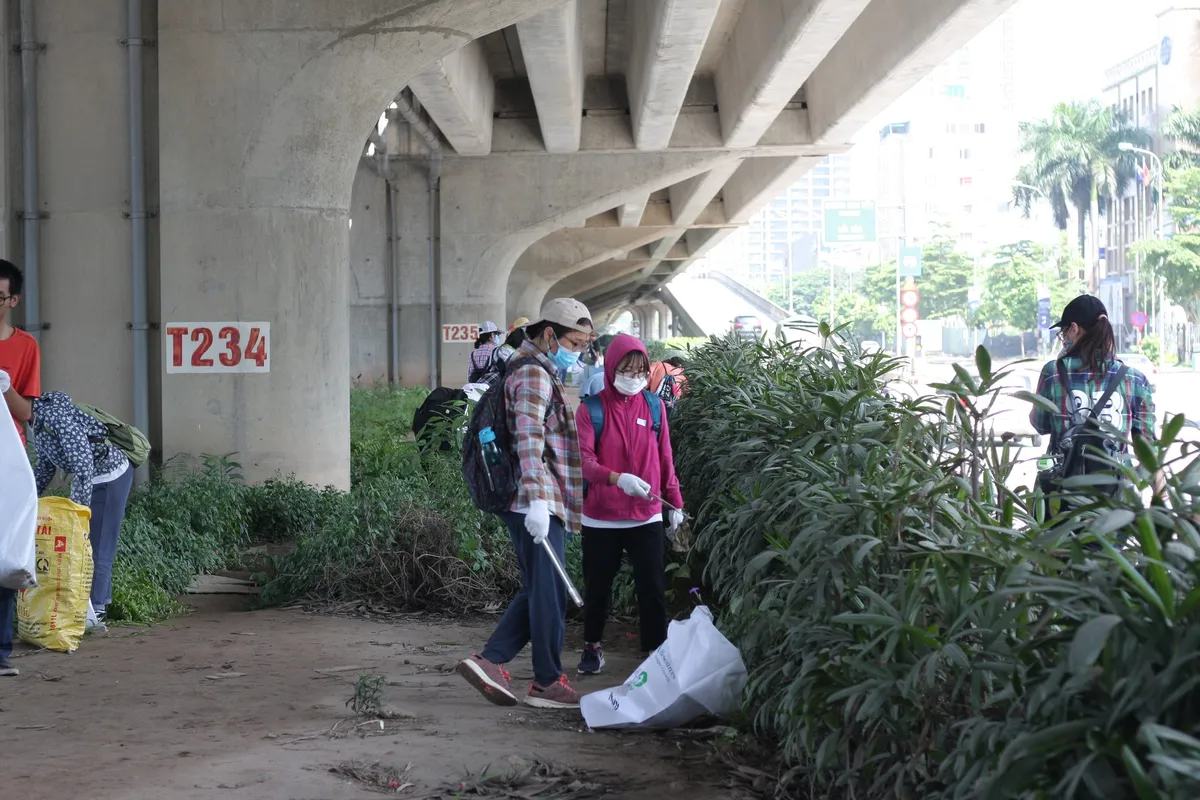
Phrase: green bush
[913,627]
[658,347]
[177,527]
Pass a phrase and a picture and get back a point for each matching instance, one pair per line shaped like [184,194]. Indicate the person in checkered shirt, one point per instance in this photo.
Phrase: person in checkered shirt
[549,502]
[1079,379]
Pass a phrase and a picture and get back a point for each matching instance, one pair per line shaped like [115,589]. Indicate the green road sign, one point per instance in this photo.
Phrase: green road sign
[910,262]
[849,221]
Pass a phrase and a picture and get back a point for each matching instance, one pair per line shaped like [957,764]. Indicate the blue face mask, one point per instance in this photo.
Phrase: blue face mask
[564,358]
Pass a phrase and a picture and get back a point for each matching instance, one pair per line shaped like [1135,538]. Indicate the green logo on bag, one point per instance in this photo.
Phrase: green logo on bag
[639,680]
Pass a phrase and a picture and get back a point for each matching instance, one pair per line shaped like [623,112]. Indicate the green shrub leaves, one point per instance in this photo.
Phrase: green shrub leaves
[917,626]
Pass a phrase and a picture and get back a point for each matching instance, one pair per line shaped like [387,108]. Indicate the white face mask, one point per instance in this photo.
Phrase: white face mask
[629,386]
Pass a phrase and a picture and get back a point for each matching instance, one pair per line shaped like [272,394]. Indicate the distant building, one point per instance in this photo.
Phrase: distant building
[789,227]
[947,168]
[1145,88]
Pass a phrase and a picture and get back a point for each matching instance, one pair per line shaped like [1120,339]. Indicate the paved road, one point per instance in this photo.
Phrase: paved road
[711,304]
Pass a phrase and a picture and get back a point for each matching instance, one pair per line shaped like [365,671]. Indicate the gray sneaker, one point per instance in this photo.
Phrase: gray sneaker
[7,670]
[557,695]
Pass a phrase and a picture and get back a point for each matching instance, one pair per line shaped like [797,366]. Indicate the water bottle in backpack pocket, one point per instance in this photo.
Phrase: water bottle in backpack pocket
[492,457]
[490,465]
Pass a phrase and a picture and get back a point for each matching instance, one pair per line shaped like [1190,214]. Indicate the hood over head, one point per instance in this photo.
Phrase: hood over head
[622,345]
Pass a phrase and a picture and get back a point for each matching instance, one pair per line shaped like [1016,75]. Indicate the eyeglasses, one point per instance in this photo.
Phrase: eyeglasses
[633,372]
[574,345]
[4,298]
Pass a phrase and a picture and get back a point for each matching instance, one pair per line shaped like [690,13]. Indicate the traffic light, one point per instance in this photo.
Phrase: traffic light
[909,298]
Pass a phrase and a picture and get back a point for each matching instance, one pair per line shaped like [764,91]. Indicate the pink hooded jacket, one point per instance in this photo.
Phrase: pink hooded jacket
[627,444]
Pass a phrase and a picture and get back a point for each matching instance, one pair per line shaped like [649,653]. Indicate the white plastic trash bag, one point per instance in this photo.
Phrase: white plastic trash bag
[697,671]
[18,511]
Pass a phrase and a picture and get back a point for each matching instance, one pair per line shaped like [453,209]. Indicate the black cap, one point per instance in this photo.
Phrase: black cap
[1085,310]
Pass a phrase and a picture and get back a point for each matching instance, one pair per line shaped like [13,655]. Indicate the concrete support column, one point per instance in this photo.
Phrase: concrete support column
[370,285]
[664,323]
[87,349]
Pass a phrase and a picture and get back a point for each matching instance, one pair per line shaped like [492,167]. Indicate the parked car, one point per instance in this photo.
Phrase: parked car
[748,327]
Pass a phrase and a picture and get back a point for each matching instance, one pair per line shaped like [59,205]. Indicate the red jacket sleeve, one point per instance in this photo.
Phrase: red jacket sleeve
[670,482]
[593,470]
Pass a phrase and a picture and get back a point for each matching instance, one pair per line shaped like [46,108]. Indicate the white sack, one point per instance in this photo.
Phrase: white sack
[696,672]
[18,510]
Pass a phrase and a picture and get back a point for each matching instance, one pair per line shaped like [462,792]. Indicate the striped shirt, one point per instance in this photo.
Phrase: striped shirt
[545,439]
[1130,409]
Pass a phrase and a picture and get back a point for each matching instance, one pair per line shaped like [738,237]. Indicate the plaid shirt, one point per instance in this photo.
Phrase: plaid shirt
[1130,409]
[546,441]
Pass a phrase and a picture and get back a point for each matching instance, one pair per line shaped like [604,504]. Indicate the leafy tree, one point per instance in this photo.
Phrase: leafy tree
[946,279]
[1077,165]
[1177,260]
[807,288]
[1183,127]
[1010,291]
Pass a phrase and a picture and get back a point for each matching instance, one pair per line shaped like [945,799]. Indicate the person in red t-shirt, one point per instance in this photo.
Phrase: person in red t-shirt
[20,382]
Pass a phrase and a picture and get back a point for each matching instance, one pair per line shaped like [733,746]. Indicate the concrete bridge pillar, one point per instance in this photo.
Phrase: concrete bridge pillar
[265,108]
[83,178]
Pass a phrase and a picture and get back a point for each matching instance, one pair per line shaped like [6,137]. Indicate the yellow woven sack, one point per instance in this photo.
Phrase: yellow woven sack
[54,613]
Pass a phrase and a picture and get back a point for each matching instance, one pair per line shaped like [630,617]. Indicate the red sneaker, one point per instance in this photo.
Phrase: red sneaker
[492,680]
[557,695]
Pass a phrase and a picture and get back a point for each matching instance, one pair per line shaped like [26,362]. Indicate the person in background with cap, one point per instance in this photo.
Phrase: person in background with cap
[1090,358]
[549,503]
[481,357]
[516,335]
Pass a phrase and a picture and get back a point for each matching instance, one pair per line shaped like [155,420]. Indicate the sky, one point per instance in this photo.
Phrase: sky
[1062,51]
[1074,42]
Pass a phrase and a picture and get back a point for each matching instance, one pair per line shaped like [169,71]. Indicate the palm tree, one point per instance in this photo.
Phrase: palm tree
[1183,127]
[1076,163]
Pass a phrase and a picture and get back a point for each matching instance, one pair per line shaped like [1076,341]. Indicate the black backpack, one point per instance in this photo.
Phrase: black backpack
[1084,448]
[668,392]
[496,496]
[443,403]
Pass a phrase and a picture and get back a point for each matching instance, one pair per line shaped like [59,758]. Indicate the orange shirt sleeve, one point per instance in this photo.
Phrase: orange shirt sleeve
[28,380]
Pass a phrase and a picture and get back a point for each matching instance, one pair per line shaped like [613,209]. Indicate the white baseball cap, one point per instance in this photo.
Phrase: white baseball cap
[567,312]
[488,327]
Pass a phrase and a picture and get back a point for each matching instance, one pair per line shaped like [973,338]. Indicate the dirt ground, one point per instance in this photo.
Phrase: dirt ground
[227,703]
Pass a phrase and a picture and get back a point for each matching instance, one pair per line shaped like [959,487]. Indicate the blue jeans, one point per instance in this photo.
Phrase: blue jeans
[108,512]
[538,614]
[8,617]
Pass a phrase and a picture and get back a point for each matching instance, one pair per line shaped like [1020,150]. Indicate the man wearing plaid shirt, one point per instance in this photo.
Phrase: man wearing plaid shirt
[549,502]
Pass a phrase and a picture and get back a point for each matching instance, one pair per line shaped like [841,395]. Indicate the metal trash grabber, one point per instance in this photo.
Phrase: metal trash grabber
[562,573]
[670,507]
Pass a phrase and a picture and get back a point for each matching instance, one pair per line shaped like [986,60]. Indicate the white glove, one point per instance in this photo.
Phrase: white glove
[537,521]
[5,382]
[675,519]
[633,486]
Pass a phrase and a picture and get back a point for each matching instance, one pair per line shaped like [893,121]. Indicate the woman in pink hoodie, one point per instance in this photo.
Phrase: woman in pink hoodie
[630,471]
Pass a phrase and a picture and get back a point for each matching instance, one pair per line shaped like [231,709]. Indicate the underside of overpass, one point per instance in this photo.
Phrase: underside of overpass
[532,148]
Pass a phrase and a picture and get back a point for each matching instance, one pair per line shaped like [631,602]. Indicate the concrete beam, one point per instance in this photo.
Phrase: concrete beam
[460,95]
[668,38]
[552,44]
[629,215]
[891,46]
[774,48]
[690,197]
[695,130]
[757,180]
